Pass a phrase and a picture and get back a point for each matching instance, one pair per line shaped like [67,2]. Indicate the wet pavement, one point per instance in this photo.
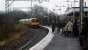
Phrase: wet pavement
[63,43]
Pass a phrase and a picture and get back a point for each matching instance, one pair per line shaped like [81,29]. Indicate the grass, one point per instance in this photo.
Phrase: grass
[13,36]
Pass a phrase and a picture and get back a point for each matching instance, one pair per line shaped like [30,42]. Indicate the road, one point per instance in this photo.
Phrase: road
[63,43]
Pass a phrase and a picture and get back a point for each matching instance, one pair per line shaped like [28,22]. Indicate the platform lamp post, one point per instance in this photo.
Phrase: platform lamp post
[81,14]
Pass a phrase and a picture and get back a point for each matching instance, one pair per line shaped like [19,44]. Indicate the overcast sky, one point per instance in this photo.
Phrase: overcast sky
[58,6]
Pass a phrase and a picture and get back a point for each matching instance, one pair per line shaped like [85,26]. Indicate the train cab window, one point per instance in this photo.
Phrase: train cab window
[35,20]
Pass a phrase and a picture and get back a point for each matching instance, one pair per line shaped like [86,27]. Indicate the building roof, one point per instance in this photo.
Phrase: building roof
[75,9]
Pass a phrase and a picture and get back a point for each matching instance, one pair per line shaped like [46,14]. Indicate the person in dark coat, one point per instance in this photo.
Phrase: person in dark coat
[59,27]
[53,26]
[75,29]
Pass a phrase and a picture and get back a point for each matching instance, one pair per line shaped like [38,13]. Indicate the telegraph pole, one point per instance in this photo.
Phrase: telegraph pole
[68,3]
[6,6]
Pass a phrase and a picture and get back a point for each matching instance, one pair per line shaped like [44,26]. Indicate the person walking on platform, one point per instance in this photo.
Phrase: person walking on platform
[68,28]
[75,29]
[53,26]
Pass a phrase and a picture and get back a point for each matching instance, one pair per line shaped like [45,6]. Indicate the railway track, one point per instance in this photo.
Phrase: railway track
[28,40]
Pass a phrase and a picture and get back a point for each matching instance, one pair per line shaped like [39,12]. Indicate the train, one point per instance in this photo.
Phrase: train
[34,22]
